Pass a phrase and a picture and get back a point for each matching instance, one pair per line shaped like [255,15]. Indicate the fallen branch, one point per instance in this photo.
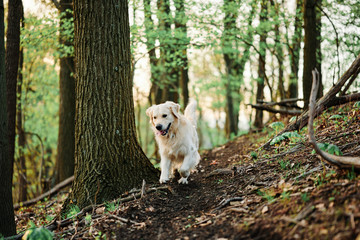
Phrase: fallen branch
[340,161]
[226,202]
[273,110]
[51,192]
[328,100]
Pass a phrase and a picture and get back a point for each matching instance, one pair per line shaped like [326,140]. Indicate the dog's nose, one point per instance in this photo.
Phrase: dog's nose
[159,127]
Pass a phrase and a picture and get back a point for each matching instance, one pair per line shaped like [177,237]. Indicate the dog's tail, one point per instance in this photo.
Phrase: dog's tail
[190,111]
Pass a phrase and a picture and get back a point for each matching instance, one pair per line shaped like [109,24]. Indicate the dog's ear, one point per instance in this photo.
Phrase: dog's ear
[175,108]
[149,112]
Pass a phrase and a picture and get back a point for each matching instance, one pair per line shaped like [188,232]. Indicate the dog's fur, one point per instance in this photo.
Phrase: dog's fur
[176,137]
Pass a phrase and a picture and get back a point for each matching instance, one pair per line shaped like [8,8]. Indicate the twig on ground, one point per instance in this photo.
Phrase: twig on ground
[315,169]
[226,202]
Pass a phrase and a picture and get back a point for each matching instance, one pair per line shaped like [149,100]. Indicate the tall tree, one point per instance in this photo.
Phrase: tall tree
[7,220]
[108,157]
[183,43]
[311,47]
[258,123]
[12,57]
[234,60]
[66,139]
[295,51]
[20,127]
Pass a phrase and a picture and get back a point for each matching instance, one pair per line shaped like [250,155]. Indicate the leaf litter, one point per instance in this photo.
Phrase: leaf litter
[239,192]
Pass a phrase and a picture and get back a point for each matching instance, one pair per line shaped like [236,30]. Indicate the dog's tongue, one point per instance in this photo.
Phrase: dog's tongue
[161,132]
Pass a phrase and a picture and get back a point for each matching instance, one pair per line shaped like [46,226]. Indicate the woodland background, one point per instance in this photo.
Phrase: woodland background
[225,54]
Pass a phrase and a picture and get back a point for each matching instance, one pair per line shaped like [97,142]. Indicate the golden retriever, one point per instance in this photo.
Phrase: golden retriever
[176,137]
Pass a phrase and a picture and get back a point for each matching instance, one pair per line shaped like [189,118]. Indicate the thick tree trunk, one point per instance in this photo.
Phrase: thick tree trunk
[258,122]
[7,220]
[12,68]
[109,160]
[66,139]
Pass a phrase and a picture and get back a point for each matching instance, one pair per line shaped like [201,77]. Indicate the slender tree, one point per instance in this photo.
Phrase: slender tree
[261,68]
[66,140]
[7,220]
[295,51]
[108,158]
[311,47]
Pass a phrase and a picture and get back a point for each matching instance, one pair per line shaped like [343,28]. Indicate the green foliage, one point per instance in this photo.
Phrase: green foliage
[266,195]
[40,233]
[293,136]
[111,206]
[330,148]
[336,116]
[304,197]
[253,155]
[357,104]
[74,210]
[351,174]
[277,126]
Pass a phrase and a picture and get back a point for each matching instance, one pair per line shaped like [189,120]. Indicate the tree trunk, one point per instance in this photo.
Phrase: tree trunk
[295,51]
[258,123]
[109,160]
[21,131]
[7,220]
[66,140]
[312,52]
[12,68]
[181,31]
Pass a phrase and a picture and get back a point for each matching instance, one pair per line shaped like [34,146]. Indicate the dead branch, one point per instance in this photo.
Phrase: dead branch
[340,161]
[289,102]
[52,191]
[328,100]
[226,202]
[273,110]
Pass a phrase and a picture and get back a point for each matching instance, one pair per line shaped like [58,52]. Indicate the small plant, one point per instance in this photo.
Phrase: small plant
[330,148]
[351,174]
[35,233]
[357,104]
[336,116]
[293,136]
[88,219]
[74,210]
[111,206]
[277,126]
[253,155]
[304,197]
[266,196]
[285,195]
[219,181]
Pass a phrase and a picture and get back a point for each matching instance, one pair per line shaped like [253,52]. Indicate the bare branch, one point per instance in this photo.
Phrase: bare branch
[340,161]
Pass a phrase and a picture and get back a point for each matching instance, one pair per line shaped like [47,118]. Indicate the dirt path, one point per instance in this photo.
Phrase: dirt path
[284,193]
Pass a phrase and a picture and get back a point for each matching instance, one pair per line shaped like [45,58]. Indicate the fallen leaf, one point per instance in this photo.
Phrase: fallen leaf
[100,210]
[265,209]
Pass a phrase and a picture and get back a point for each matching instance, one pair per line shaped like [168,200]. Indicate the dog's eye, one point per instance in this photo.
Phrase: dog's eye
[154,117]
[164,115]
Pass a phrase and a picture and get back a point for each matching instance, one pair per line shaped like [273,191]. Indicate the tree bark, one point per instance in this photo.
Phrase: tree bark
[21,131]
[109,160]
[312,54]
[258,122]
[66,137]
[295,51]
[7,220]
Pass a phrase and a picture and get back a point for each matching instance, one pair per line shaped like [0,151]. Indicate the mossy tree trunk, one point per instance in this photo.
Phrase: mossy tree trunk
[108,158]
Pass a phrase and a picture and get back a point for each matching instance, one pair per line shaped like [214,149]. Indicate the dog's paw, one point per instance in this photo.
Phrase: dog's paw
[183,180]
[163,180]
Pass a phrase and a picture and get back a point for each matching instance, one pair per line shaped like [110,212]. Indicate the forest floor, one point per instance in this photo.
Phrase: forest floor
[239,192]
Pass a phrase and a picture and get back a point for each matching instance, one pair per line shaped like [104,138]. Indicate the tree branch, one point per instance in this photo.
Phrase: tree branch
[340,161]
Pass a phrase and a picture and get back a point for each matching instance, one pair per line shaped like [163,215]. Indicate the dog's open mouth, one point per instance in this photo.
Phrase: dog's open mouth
[164,132]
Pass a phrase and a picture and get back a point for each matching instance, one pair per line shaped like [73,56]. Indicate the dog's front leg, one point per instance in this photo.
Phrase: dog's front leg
[165,165]
[185,169]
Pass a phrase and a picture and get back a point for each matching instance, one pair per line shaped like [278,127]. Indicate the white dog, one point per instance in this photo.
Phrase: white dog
[176,137]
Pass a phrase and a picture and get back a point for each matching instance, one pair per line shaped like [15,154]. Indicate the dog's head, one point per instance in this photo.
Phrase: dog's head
[163,116]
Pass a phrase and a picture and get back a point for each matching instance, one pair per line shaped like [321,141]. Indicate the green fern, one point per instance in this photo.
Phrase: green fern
[293,136]
[330,148]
